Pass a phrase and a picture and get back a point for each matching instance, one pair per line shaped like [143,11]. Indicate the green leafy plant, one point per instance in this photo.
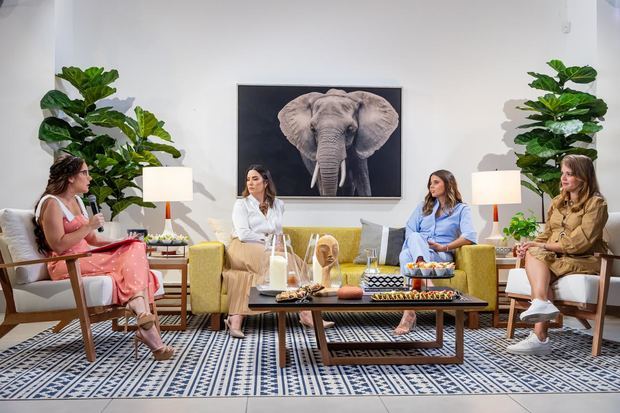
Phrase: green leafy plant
[78,127]
[564,122]
[521,227]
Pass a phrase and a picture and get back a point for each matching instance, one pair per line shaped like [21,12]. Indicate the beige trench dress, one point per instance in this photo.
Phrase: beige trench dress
[579,230]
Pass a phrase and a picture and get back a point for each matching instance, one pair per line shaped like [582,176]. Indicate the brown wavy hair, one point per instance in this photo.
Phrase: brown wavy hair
[453,196]
[583,169]
[63,168]
[270,188]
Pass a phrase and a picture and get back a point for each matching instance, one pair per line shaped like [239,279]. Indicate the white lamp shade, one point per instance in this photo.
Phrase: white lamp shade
[167,183]
[496,187]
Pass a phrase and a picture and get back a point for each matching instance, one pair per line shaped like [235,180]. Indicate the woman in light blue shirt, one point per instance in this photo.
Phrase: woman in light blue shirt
[439,225]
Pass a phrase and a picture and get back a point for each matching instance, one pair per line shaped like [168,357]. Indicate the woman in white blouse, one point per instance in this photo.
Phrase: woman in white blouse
[257,215]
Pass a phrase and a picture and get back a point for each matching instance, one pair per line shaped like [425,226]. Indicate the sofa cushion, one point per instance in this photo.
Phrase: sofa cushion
[388,242]
[18,233]
[580,288]
[48,295]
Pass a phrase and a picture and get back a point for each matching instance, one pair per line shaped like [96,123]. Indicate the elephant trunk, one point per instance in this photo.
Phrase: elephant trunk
[331,154]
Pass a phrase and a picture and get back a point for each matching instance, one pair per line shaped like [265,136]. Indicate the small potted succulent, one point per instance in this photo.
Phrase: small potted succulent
[521,227]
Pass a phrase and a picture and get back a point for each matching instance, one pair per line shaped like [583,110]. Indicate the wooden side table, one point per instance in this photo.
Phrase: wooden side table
[506,263]
[173,263]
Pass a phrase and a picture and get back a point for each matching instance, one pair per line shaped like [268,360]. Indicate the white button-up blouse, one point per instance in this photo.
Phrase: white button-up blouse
[249,223]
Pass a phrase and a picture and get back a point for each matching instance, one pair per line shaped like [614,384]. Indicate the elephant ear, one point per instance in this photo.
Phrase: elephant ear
[376,119]
[295,123]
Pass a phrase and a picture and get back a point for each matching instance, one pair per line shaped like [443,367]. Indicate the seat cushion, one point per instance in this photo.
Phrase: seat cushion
[612,234]
[580,288]
[18,234]
[48,295]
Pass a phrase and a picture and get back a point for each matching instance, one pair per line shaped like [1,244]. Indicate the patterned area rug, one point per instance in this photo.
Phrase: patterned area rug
[213,364]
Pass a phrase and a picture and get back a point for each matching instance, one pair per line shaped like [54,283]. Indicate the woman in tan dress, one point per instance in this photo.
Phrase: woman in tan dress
[256,216]
[573,234]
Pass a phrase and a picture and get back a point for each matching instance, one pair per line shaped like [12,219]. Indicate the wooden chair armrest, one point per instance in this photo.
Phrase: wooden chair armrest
[44,260]
[601,255]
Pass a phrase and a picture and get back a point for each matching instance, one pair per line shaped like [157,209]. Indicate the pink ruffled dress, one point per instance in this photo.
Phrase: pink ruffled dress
[127,265]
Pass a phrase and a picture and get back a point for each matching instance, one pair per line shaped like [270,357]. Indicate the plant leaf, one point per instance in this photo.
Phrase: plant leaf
[579,74]
[545,82]
[591,127]
[531,187]
[147,122]
[162,147]
[124,203]
[54,130]
[557,65]
[95,93]
[105,117]
[57,100]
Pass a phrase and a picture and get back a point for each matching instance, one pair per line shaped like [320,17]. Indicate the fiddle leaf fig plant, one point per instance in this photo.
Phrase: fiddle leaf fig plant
[564,121]
[521,227]
[78,127]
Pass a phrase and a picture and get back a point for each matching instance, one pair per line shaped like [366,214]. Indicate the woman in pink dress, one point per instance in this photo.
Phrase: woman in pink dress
[62,226]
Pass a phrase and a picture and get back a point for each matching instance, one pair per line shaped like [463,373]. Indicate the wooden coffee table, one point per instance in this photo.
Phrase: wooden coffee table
[333,304]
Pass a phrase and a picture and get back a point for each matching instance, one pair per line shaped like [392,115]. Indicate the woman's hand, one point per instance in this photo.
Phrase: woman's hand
[96,221]
[523,247]
[437,247]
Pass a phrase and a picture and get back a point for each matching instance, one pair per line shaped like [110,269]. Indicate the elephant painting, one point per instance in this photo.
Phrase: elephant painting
[335,133]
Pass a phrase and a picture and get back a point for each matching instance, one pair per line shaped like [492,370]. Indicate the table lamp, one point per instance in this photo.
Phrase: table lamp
[167,184]
[496,188]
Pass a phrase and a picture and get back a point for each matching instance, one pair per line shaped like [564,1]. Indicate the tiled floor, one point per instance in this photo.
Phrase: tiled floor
[516,403]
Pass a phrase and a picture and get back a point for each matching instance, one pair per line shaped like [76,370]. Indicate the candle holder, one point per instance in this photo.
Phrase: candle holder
[282,267]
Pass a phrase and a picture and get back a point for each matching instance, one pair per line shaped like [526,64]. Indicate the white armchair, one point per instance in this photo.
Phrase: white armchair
[31,296]
[584,296]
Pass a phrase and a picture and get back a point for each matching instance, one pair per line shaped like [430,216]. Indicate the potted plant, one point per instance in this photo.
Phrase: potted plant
[78,127]
[564,123]
[521,227]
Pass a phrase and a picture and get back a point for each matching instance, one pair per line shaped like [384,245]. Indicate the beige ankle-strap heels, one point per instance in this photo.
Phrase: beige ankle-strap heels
[236,333]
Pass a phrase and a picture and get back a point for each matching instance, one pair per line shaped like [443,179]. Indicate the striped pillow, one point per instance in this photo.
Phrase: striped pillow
[388,242]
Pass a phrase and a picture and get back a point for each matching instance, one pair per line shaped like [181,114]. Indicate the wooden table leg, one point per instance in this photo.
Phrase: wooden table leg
[184,297]
[281,339]
[458,336]
[321,338]
[439,328]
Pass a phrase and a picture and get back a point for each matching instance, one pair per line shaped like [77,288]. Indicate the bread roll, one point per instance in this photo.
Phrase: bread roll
[349,292]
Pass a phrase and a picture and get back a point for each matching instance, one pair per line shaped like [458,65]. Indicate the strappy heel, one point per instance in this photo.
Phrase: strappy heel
[326,324]
[405,327]
[144,320]
[165,352]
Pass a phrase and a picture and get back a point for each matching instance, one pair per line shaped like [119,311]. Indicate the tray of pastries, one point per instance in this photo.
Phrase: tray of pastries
[431,295]
[301,294]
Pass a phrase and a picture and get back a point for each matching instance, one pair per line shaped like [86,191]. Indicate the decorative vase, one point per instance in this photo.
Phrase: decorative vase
[281,266]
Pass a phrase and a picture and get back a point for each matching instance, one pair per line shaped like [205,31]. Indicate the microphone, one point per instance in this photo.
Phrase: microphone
[92,200]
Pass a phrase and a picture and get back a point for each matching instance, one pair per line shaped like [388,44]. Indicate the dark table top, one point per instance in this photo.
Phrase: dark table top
[268,303]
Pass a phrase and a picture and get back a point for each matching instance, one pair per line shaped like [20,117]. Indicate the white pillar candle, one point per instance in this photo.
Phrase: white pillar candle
[277,272]
[317,271]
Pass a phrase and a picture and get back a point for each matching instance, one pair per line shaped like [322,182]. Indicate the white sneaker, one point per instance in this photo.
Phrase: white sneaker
[531,345]
[539,311]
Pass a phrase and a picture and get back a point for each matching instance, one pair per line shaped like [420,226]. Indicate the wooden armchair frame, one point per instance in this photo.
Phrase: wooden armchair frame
[581,311]
[86,315]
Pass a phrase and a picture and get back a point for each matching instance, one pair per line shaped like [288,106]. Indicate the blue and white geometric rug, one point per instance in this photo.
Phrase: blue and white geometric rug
[213,364]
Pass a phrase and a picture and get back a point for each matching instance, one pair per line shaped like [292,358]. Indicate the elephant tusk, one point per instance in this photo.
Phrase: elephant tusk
[314,175]
[343,173]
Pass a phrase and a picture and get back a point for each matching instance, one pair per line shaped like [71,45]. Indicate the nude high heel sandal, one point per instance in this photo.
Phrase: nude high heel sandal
[405,327]
[163,353]
[143,320]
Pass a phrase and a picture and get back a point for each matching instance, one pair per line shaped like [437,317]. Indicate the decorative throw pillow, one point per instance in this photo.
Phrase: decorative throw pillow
[221,229]
[18,232]
[388,242]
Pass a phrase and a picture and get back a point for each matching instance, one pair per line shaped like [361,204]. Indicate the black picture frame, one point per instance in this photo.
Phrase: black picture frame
[261,140]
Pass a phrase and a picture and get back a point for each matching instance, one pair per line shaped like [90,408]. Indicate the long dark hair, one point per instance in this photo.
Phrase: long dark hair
[270,188]
[453,196]
[63,168]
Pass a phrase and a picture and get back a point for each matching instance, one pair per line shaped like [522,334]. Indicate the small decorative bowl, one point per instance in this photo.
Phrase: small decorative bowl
[503,251]
[426,272]
[440,272]
[449,271]
[165,241]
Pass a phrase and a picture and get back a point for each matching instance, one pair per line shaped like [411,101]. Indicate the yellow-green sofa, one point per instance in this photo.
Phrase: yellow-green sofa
[475,270]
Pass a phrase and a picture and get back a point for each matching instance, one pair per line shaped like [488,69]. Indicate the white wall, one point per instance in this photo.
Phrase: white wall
[462,67]
[26,73]
[608,87]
